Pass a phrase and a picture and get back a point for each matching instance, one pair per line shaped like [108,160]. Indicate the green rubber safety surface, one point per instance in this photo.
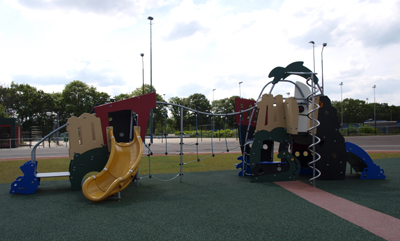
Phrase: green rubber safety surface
[216,205]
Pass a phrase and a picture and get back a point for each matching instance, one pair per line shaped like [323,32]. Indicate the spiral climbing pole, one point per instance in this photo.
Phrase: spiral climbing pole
[314,123]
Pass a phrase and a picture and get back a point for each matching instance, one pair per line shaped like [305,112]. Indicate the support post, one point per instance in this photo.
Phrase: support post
[181,152]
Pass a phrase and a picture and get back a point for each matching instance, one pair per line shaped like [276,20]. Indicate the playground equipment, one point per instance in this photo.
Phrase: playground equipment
[308,124]
[305,127]
[89,151]
[362,163]
[119,171]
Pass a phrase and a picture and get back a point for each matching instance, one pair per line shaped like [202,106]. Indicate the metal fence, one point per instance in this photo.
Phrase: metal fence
[30,142]
[366,130]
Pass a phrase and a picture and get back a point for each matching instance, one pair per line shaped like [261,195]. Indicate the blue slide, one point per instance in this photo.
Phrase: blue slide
[362,163]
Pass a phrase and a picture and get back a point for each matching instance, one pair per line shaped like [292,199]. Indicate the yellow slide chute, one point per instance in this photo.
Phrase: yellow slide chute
[119,171]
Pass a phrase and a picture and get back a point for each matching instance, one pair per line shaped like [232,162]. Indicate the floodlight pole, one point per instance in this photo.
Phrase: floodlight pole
[374,87]
[240,91]
[142,54]
[151,77]
[341,101]
[213,95]
[322,67]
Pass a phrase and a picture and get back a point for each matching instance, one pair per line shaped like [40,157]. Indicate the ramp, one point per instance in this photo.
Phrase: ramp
[119,171]
[362,163]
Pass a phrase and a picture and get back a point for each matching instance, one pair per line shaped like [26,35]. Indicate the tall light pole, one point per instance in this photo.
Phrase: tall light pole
[142,54]
[151,78]
[313,44]
[151,54]
[374,87]
[322,67]
[341,100]
[240,91]
[367,109]
[213,95]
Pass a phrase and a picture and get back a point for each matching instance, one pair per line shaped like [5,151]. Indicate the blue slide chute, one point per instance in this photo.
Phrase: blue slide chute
[362,163]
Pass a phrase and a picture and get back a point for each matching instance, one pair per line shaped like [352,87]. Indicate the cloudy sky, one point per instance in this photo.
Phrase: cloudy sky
[201,45]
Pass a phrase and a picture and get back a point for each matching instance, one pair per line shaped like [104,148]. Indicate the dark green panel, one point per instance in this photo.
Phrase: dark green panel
[93,160]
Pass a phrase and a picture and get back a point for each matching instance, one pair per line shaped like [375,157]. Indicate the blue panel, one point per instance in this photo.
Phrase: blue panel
[240,166]
[271,163]
[372,171]
[28,183]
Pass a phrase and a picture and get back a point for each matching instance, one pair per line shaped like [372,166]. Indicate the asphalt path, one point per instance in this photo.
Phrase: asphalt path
[172,147]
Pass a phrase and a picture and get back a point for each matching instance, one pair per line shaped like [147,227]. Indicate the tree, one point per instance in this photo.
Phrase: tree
[198,102]
[223,106]
[122,97]
[78,98]
[7,97]
[3,113]
[176,112]
[358,111]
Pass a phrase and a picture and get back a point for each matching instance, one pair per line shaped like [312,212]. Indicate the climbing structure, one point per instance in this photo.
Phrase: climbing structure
[119,171]
[89,148]
[300,125]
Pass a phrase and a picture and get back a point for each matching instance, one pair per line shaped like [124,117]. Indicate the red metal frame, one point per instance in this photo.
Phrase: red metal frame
[140,105]
[244,104]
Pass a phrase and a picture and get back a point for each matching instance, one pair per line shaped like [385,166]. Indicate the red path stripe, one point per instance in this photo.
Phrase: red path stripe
[378,223]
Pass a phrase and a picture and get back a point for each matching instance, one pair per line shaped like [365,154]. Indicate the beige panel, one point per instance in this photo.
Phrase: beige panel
[84,134]
[309,124]
[291,116]
[271,113]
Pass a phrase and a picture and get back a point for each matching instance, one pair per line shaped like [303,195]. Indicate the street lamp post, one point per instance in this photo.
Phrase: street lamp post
[374,87]
[367,109]
[322,67]
[151,78]
[313,44]
[151,54]
[240,91]
[142,54]
[341,100]
[213,95]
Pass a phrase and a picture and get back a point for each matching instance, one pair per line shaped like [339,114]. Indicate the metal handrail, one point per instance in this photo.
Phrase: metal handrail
[33,153]
[206,113]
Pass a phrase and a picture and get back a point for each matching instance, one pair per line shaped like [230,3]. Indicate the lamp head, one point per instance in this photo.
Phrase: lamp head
[150,18]
[311,42]
[142,54]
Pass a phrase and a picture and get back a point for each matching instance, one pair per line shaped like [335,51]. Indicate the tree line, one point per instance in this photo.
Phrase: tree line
[34,107]
[359,111]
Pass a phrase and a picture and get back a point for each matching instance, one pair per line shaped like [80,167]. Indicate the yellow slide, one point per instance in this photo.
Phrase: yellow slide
[119,171]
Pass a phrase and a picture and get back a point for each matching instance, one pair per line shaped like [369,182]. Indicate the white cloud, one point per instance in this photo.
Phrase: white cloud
[202,46]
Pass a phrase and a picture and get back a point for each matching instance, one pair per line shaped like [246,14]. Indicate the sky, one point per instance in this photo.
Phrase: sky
[202,45]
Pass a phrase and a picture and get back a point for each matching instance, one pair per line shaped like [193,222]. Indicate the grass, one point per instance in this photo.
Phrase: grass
[9,170]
